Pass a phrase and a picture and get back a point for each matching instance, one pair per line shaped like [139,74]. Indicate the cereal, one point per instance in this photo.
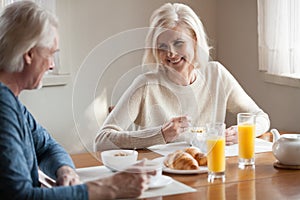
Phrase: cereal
[121,154]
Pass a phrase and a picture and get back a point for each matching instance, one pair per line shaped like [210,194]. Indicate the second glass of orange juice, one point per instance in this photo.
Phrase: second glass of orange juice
[246,139]
[216,151]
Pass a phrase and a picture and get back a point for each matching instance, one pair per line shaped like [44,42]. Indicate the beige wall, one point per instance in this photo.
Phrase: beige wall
[84,24]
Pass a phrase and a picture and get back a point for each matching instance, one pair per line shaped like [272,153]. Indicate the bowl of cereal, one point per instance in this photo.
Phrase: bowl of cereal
[120,159]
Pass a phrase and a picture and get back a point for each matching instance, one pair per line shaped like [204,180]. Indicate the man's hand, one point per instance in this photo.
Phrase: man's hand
[67,176]
[130,183]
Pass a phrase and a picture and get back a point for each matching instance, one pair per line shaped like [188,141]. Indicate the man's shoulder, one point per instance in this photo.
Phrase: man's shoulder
[6,95]
[7,99]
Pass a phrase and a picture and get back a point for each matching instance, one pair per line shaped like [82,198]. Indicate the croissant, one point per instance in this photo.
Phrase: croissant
[197,155]
[181,160]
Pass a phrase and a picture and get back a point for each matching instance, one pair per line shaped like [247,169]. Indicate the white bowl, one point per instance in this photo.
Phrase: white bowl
[156,166]
[117,160]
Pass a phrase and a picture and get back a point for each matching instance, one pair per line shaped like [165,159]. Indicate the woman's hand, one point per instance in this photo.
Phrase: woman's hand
[176,126]
[231,135]
[66,176]
[130,183]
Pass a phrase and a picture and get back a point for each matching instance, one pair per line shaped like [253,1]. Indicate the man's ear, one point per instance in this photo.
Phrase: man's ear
[28,57]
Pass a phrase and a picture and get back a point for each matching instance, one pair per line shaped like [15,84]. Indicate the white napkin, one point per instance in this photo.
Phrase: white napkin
[92,173]
[260,146]
[165,149]
[232,150]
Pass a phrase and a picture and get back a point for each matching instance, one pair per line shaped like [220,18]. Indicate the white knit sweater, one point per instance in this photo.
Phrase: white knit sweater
[152,99]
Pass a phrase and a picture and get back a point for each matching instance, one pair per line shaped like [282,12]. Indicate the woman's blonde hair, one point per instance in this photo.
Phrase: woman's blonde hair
[24,25]
[169,16]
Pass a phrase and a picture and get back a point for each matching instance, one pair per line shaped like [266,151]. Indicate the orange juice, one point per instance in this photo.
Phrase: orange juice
[216,154]
[246,139]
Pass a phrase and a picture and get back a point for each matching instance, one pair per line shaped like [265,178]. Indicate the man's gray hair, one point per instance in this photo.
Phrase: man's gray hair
[24,25]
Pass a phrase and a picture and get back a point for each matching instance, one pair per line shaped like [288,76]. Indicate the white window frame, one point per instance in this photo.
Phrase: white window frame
[56,77]
[285,73]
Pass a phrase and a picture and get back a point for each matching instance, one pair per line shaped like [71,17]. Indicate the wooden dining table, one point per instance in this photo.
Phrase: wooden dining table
[264,181]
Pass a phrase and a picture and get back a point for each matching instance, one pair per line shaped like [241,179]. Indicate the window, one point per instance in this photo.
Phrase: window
[279,40]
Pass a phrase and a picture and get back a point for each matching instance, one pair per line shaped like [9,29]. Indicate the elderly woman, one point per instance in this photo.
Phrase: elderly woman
[185,89]
[28,41]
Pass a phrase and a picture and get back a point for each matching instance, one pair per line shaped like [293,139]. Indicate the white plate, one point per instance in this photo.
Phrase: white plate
[163,181]
[201,170]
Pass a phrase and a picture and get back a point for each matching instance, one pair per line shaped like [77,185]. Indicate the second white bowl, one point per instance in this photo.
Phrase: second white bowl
[117,160]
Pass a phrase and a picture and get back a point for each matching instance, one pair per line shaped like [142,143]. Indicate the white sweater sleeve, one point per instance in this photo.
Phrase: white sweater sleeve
[239,101]
[115,131]
[262,123]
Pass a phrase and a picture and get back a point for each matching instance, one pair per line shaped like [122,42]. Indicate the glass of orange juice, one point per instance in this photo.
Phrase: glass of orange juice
[215,142]
[246,139]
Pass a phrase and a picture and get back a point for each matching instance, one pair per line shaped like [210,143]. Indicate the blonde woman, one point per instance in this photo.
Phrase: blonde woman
[184,88]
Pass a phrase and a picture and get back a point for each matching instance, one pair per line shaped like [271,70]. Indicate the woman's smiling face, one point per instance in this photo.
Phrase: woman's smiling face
[176,48]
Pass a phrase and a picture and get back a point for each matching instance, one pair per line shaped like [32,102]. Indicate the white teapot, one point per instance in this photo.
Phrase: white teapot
[286,148]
